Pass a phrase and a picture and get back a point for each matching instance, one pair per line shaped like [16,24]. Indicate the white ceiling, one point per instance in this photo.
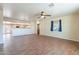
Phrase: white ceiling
[29,10]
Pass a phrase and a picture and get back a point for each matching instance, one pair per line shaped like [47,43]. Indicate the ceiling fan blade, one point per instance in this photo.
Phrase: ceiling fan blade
[47,15]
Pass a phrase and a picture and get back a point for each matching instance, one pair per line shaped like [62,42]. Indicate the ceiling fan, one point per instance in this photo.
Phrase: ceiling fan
[44,15]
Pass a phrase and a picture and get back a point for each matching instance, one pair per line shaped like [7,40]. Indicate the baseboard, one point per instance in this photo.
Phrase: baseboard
[77,40]
[22,34]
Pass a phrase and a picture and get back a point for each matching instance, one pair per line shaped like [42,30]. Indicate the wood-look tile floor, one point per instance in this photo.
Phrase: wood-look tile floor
[40,45]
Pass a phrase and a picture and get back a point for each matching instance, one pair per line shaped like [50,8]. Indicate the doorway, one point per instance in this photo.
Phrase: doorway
[38,28]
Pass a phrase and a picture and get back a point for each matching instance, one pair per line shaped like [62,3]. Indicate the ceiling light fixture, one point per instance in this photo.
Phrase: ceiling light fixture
[42,16]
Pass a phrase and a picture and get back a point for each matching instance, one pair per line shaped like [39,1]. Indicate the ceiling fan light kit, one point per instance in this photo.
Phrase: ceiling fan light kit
[44,15]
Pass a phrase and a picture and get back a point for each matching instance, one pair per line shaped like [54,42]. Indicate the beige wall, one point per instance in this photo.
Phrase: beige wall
[1,26]
[70,27]
[33,27]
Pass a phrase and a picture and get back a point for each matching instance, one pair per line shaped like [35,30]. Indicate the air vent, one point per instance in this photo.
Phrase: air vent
[51,5]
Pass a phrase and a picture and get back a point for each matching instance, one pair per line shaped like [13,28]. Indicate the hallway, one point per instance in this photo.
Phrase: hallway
[40,45]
